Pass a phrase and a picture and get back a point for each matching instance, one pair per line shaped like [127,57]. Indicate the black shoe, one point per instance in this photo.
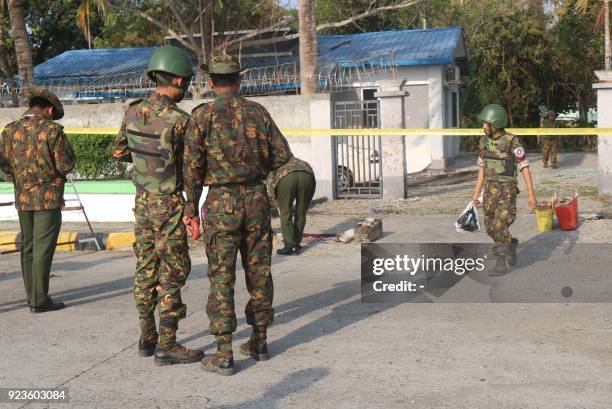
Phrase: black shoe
[48,306]
[146,348]
[258,352]
[298,246]
[223,365]
[288,251]
[178,354]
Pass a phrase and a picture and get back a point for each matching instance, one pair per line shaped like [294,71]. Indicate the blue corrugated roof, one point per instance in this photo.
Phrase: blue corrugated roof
[401,47]
[100,62]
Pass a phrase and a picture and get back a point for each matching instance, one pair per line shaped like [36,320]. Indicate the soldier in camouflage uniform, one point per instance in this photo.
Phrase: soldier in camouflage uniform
[501,156]
[35,152]
[549,143]
[292,182]
[231,145]
[152,138]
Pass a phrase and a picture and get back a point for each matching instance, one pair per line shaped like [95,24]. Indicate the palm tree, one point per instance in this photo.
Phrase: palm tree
[603,14]
[6,68]
[84,15]
[23,48]
[308,47]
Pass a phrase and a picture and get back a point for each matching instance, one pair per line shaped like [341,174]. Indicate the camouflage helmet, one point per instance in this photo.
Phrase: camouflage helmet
[494,114]
[222,64]
[172,60]
[58,108]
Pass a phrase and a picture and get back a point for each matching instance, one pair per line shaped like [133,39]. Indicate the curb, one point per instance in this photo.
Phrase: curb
[119,240]
[10,241]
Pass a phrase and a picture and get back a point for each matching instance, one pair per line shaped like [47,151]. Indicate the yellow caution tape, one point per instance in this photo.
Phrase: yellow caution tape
[393,132]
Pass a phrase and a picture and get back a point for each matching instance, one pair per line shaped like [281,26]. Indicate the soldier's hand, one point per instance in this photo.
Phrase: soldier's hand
[532,201]
[193,227]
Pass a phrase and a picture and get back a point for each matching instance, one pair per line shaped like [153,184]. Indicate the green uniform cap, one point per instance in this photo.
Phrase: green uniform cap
[172,60]
[58,108]
[222,64]
[494,114]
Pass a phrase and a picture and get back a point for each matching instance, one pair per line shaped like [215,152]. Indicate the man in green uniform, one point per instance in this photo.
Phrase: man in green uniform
[36,153]
[152,138]
[292,182]
[231,145]
[501,156]
[549,143]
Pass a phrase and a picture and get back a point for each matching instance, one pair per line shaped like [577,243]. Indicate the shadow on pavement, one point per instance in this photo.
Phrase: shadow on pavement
[83,295]
[341,316]
[295,382]
[294,309]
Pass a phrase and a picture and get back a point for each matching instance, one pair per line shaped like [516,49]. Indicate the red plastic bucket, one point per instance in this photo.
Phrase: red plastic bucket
[567,214]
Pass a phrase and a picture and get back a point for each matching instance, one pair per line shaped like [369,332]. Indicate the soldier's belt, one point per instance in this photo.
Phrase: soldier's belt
[248,183]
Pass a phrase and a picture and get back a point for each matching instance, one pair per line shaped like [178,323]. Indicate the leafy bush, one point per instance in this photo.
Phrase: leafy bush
[94,161]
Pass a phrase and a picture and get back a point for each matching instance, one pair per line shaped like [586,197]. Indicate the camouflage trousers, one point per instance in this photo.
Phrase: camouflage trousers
[162,264]
[549,149]
[499,205]
[238,219]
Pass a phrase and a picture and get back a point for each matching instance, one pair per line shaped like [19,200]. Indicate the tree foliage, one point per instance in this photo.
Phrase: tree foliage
[519,56]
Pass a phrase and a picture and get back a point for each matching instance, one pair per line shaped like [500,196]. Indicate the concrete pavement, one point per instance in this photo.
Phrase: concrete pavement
[329,349]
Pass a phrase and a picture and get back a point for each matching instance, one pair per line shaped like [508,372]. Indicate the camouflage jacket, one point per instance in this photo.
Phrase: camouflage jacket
[275,176]
[152,136]
[230,140]
[502,157]
[37,155]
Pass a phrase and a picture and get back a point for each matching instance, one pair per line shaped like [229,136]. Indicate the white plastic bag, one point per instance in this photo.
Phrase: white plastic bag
[468,220]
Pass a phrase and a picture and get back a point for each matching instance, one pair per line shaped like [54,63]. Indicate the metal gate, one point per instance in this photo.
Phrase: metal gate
[357,158]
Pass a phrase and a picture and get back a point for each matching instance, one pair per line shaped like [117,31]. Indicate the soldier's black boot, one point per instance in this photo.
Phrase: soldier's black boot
[146,347]
[223,361]
[177,354]
[168,351]
[288,251]
[256,347]
[500,268]
[512,255]
[220,363]
[50,305]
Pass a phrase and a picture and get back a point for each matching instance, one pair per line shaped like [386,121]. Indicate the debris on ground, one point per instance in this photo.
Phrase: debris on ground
[369,230]
[592,216]
[346,237]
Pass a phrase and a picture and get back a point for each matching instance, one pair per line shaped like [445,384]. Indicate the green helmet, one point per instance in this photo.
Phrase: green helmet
[172,60]
[494,114]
